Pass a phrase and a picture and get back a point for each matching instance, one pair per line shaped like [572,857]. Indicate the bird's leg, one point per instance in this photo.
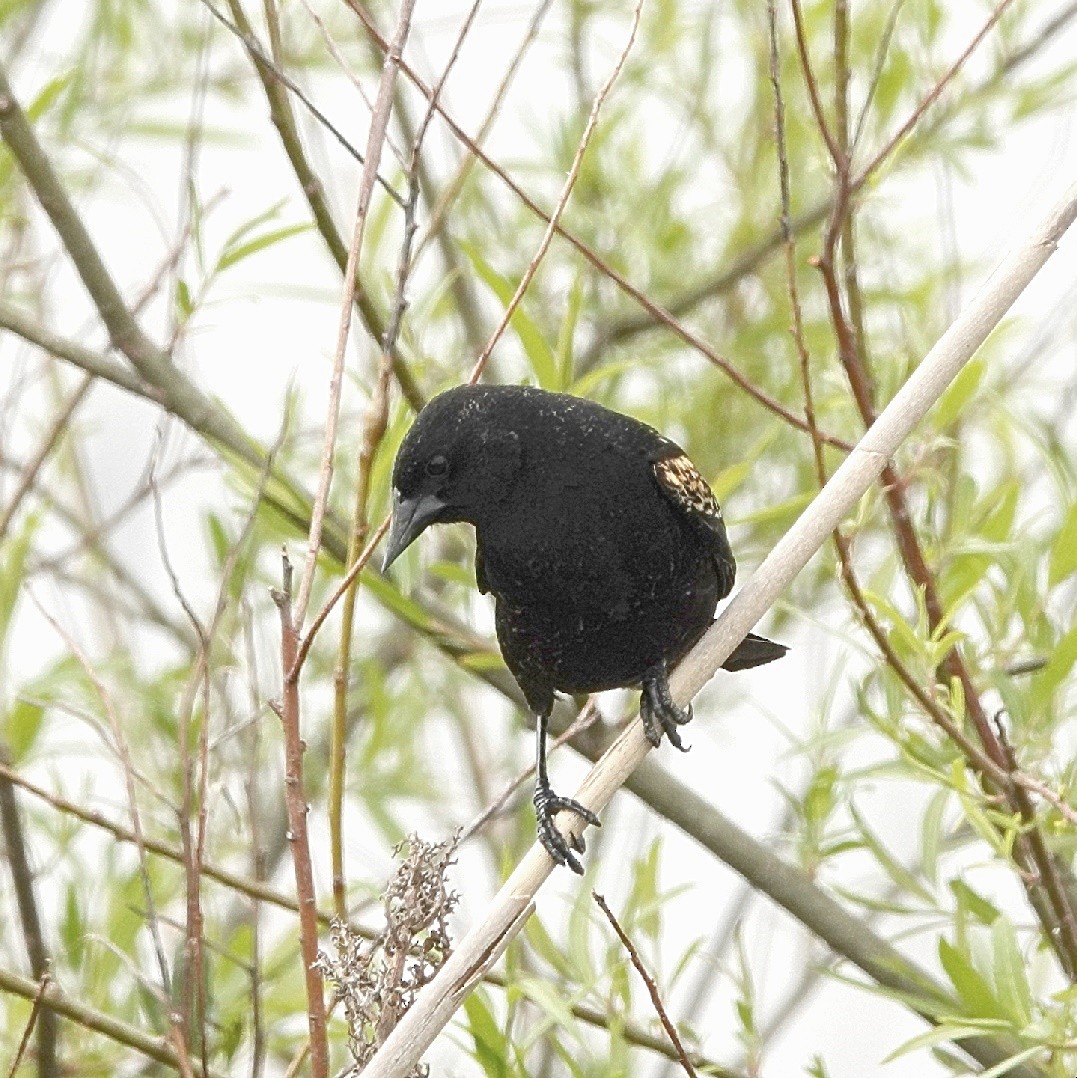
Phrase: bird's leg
[548,805]
[659,712]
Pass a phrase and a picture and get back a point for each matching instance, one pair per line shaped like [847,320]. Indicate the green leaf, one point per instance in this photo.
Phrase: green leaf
[491,1050]
[218,537]
[945,1032]
[1008,1065]
[50,92]
[539,353]
[579,938]
[566,335]
[551,1000]
[184,301]
[960,390]
[13,551]
[974,991]
[73,928]
[232,255]
[1064,549]
[931,834]
[1058,667]
[545,947]
[890,864]
[22,727]
[819,801]
[1011,973]
[643,909]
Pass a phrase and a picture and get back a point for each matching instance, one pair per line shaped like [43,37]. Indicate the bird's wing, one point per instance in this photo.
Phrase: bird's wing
[680,481]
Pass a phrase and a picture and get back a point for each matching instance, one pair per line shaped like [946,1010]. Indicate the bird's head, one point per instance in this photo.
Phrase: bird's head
[459,456]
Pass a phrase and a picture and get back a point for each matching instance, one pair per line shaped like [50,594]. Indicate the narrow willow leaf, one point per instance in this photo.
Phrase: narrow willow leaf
[889,863]
[960,392]
[538,352]
[1064,549]
[259,243]
[974,991]
[1011,973]
[931,1037]
[491,1050]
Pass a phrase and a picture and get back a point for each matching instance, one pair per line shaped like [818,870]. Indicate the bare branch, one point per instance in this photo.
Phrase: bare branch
[562,202]
[379,125]
[652,987]
[509,909]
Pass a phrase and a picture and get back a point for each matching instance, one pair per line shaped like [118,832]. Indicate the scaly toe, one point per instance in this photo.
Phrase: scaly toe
[547,806]
[660,713]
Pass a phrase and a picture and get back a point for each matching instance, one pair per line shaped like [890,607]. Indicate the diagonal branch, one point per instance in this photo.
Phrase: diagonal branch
[511,906]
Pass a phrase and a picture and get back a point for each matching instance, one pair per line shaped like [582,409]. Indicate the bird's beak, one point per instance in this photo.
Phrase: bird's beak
[410,517]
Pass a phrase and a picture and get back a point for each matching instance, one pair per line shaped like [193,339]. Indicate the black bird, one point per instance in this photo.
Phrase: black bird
[603,546]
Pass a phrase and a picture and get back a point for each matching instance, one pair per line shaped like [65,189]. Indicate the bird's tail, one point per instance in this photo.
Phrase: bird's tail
[754,651]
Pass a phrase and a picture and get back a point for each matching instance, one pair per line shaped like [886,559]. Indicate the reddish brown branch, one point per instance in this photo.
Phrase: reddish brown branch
[297,829]
[1038,863]
[652,987]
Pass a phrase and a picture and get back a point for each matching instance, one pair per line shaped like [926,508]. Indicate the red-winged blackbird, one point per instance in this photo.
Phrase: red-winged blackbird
[603,546]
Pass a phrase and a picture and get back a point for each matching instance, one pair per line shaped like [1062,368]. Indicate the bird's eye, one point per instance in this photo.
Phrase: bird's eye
[436,466]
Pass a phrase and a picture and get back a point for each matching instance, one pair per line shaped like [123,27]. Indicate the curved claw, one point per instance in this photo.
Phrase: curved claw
[659,713]
[547,806]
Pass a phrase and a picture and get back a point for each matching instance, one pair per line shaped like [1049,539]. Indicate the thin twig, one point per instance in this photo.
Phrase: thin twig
[50,441]
[295,798]
[649,981]
[46,1063]
[562,202]
[327,607]
[379,125]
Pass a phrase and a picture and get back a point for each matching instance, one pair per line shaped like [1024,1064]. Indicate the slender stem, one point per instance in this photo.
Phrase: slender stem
[650,983]
[22,875]
[509,909]
[297,830]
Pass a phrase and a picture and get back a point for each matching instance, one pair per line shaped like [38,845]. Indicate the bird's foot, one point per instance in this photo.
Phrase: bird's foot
[659,712]
[547,806]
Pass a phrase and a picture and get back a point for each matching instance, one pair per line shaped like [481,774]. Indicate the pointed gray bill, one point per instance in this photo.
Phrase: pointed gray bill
[410,517]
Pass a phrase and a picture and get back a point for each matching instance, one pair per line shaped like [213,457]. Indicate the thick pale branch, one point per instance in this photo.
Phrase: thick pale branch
[510,907]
